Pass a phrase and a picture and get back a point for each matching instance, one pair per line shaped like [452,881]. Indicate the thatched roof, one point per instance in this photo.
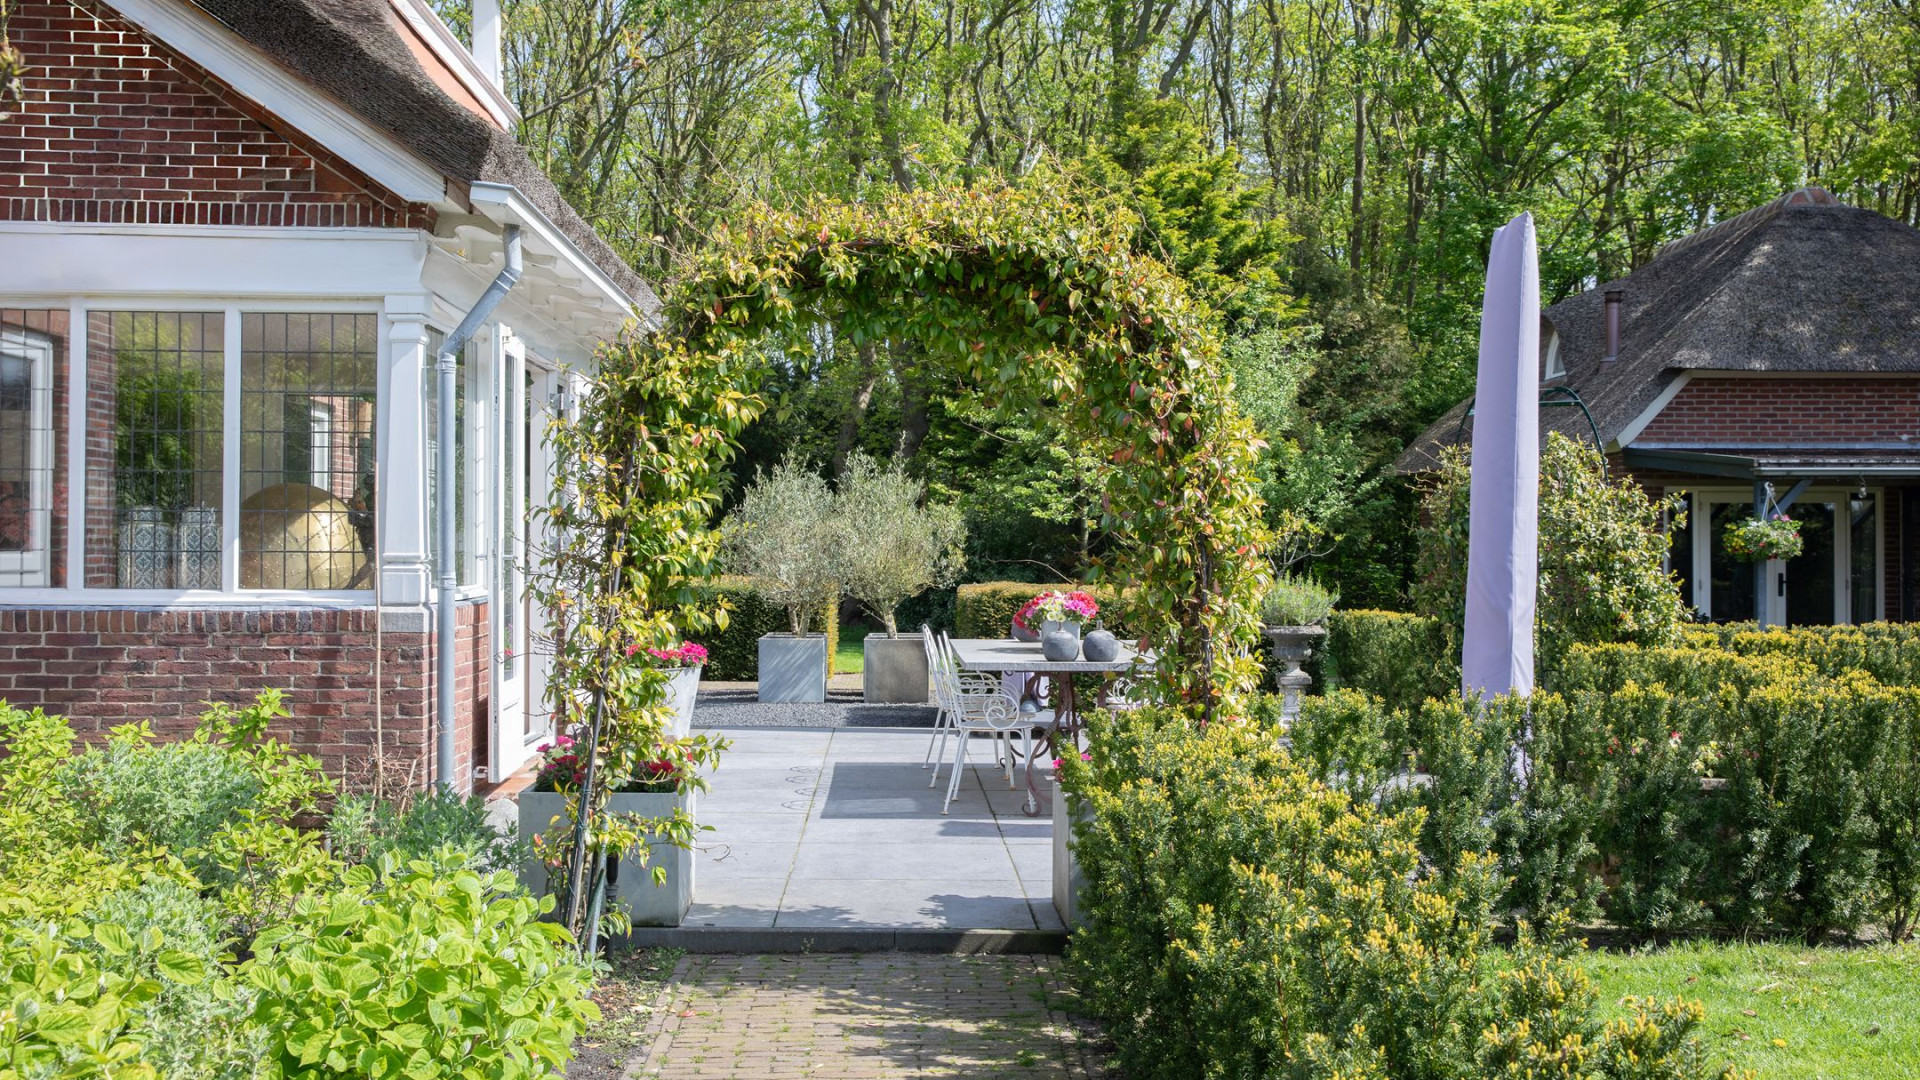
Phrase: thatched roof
[351,51]
[1802,284]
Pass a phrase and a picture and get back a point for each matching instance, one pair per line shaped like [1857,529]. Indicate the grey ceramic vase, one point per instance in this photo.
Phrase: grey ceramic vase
[1101,647]
[1060,642]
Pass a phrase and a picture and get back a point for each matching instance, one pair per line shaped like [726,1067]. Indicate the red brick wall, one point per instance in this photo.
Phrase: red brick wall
[104,668]
[1757,411]
[116,127]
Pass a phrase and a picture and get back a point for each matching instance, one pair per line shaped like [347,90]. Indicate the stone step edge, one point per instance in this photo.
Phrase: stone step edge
[846,939]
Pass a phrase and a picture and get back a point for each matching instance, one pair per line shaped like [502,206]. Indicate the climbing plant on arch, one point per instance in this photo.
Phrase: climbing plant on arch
[1026,294]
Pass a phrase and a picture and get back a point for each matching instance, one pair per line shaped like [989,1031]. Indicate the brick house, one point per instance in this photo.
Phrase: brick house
[236,234]
[1772,359]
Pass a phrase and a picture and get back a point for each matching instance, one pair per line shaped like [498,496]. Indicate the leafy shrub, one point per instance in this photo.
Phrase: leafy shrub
[64,1016]
[427,970]
[364,829]
[1403,659]
[733,653]
[1603,550]
[171,795]
[1245,920]
[1297,601]
[197,1025]
[1890,652]
[118,964]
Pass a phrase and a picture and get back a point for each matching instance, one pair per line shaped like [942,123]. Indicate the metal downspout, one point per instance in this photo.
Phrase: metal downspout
[446,429]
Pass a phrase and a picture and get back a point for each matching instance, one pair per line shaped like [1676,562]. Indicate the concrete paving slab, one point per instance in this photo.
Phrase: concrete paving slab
[745,859]
[820,860]
[952,903]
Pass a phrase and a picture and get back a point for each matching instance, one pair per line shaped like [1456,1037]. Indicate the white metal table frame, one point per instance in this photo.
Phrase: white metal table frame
[1003,655]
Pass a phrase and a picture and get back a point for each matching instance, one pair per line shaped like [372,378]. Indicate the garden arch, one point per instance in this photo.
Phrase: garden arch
[1027,293]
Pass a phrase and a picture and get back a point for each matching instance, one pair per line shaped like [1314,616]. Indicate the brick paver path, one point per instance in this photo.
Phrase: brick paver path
[865,1017]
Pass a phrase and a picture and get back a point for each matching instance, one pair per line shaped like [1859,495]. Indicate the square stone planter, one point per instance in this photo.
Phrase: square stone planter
[1067,879]
[649,904]
[683,689]
[793,669]
[894,670]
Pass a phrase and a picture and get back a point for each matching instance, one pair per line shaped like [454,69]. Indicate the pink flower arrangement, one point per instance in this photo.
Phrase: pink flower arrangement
[560,766]
[1056,606]
[686,654]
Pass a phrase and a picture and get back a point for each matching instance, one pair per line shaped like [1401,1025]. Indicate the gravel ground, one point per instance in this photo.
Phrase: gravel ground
[738,705]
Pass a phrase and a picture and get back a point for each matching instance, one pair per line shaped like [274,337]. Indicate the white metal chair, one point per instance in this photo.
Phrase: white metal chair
[976,702]
[942,722]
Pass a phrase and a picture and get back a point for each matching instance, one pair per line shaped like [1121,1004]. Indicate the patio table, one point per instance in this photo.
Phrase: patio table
[1002,655]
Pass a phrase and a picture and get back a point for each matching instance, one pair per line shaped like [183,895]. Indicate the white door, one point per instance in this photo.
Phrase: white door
[508,588]
[545,400]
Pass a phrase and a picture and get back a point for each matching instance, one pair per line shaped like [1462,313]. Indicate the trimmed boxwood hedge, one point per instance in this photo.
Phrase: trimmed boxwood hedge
[986,609]
[733,654]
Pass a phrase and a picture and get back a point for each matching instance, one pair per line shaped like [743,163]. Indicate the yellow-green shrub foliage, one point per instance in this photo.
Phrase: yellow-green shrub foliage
[1248,921]
[1403,659]
[1890,652]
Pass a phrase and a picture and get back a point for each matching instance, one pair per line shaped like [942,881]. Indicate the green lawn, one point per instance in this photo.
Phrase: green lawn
[1783,1011]
[849,659]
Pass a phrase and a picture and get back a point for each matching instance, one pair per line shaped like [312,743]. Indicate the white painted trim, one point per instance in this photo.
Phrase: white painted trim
[509,207]
[76,443]
[1639,423]
[262,599]
[207,43]
[230,443]
[36,561]
[148,265]
[439,37]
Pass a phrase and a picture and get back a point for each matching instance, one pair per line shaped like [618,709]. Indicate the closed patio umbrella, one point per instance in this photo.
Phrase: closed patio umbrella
[1503,541]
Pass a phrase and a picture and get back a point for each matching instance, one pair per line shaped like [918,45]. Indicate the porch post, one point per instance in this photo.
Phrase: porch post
[1760,597]
[403,465]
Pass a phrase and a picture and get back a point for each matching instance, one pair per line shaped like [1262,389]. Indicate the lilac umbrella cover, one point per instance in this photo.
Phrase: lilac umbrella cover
[1503,545]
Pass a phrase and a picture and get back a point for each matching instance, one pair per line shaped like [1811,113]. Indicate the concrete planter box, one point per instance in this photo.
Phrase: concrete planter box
[793,669]
[650,904]
[1067,879]
[895,669]
[683,689]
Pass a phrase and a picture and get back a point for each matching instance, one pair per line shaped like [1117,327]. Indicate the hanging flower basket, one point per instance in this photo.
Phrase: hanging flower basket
[1760,539]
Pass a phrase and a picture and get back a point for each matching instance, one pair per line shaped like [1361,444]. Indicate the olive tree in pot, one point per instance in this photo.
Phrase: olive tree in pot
[895,549]
[787,534]
[1293,611]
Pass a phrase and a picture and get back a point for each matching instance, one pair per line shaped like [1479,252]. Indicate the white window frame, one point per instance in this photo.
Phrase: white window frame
[480,357]
[1700,524]
[80,311]
[36,562]
[1553,368]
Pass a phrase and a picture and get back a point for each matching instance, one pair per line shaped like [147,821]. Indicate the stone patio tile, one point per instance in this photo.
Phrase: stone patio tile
[920,902]
[734,902]
[906,830]
[744,859]
[818,859]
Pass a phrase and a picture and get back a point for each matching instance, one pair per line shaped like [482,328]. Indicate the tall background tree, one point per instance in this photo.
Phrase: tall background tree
[1325,173]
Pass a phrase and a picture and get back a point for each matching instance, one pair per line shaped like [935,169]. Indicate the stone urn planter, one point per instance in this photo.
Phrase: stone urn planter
[1067,878]
[894,670]
[683,689]
[633,887]
[1293,646]
[793,669]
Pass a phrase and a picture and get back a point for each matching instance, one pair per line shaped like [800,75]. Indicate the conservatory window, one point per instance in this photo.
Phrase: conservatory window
[156,385]
[32,455]
[307,450]
[230,449]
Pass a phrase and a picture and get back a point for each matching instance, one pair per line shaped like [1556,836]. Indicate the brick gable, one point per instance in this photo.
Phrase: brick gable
[118,128]
[1761,411]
